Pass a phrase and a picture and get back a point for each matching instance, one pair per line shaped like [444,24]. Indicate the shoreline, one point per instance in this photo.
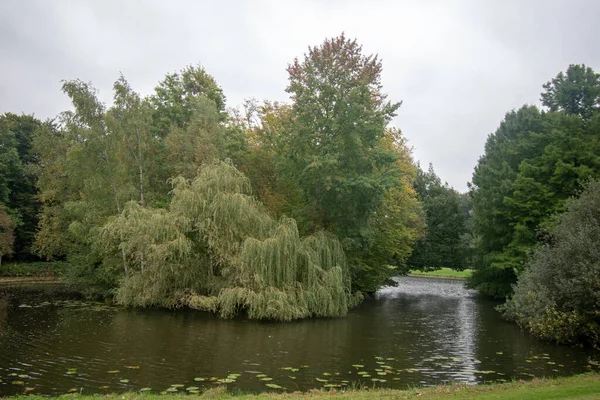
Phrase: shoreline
[584,386]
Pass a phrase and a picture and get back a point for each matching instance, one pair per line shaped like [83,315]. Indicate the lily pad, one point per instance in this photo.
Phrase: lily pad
[199,379]
[326,374]
[114,371]
[261,376]
[27,376]
[499,353]
[266,379]
[132,366]
[321,380]
[358,365]
[145,389]
[21,383]
[177,385]
[273,386]
[192,388]
[194,391]
[124,381]
[171,390]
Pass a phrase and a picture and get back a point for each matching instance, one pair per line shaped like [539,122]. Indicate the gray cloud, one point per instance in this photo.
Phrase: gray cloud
[459,66]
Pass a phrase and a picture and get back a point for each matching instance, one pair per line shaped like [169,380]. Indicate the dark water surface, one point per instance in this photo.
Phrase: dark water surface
[423,332]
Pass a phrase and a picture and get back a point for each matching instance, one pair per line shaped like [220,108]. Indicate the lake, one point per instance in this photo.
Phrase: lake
[423,332]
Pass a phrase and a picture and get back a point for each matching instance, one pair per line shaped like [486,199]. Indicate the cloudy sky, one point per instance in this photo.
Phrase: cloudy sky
[459,66]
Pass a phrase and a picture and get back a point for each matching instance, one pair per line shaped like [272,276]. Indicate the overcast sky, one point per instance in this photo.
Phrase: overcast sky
[459,66]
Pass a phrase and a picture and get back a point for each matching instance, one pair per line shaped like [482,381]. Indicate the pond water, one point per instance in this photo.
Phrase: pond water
[422,332]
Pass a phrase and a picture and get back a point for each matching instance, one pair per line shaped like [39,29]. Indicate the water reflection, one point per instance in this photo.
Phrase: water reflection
[421,332]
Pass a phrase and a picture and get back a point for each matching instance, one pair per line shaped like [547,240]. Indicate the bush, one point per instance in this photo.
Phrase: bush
[558,296]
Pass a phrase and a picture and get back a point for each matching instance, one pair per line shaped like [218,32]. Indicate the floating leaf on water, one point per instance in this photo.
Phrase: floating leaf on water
[177,385]
[378,370]
[390,359]
[326,374]
[132,366]
[124,381]
[273,386]
[362,372]
[366,376]
[194,392]
[381,373]
[358,366]
[292,377]
[528,361]
[395,379]
[145,389]
[24,376]
[331,385]
[114,371]
[192,388]
[13,374]
[29,389]
[171,390]
[295,369]
[549,363]
[261,376]
[379,362]
[321,380]
[199,379]
[378,358]
[499,353]
[265,379]
[18,383]
[24,306]
[304,366]
[233,376]
[72,390]
[287,368]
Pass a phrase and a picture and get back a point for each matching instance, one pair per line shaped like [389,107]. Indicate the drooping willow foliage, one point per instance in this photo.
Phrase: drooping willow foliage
[218,249]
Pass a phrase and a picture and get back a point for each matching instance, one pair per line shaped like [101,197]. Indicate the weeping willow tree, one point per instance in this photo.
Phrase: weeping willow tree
[218,249]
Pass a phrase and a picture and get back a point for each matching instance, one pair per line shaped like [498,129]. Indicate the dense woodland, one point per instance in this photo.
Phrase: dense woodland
[286,211]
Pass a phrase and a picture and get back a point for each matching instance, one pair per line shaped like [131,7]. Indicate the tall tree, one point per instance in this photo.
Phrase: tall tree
[576,92]
[18,190]
[532,164]
[336,151]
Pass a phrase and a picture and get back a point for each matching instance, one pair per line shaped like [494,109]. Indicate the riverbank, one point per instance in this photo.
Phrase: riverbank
[443,273]
[586,386]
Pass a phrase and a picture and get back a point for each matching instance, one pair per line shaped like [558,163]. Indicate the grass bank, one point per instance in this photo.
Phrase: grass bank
[48,269]
[443,273]
[586,386]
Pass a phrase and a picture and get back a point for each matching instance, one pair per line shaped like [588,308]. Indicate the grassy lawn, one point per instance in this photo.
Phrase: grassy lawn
[586,386]
[444,273]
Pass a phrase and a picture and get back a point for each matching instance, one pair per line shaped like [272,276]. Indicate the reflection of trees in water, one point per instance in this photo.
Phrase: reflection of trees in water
[3,312]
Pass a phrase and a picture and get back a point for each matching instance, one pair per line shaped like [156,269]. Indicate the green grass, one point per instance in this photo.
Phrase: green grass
[444,273]
[580,387]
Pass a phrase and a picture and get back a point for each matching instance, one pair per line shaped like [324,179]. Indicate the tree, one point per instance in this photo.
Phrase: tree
[217,249]
[337,153]
[558,296]
[174,100]
[576,93]
[532,164]
[443,245]
[18,190]
[7,227]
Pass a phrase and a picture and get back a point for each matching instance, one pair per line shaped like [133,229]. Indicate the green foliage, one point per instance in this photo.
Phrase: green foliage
[576,92]
[18,192]
[340,153]
[444,244]
[7,239]
[217,248]
[558,296]
[531,165]
[175,98]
